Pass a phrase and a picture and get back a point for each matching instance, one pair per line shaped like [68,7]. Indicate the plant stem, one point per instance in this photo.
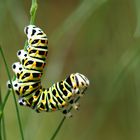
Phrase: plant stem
[58,128]
[61,123]
[3,104]
[0,120]
[8,93]
[32,20]
[33,10]
[17,110]
[18,117]
[3,128]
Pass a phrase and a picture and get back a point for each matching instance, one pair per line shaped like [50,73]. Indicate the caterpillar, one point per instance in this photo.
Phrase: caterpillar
[27,85]
[59,96]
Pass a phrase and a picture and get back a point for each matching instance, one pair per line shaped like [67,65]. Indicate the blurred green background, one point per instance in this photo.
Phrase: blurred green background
[99,38]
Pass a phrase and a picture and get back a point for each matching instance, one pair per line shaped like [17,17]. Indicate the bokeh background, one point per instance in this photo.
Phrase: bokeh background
[99,38]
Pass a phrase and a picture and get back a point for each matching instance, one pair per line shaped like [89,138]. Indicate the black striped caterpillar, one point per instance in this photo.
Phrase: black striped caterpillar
[27,85]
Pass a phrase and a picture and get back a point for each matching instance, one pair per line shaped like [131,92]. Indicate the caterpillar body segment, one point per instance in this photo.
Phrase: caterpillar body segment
[36,37]
[30,100]
[29,62]
[37,52]
[25,75]
[24,89]
[33,31]
[39,43]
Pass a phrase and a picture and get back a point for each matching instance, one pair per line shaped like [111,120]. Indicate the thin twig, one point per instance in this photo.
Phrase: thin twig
[61,123]
[3,104]
[33,10]
[3,128]
[0,110]
[58,128]
[17,110]
[32,20]
[2,123]
[8,93]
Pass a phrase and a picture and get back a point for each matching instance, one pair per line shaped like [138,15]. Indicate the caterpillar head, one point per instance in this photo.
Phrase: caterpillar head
[81,80]
[78,82]
[21,54]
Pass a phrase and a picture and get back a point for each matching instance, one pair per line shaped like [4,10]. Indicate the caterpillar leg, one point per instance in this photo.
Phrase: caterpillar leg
[74,104]
[22,102]
[66,112]
[9,86]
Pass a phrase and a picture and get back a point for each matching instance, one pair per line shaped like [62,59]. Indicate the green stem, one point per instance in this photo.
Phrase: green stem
[33,10]
[2,122]
[32,20]
[58,128]
[3,128]
[0,131]
[8,93]
[18,117]
[17,110]
[3,105]
[61,123]
[0,110]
